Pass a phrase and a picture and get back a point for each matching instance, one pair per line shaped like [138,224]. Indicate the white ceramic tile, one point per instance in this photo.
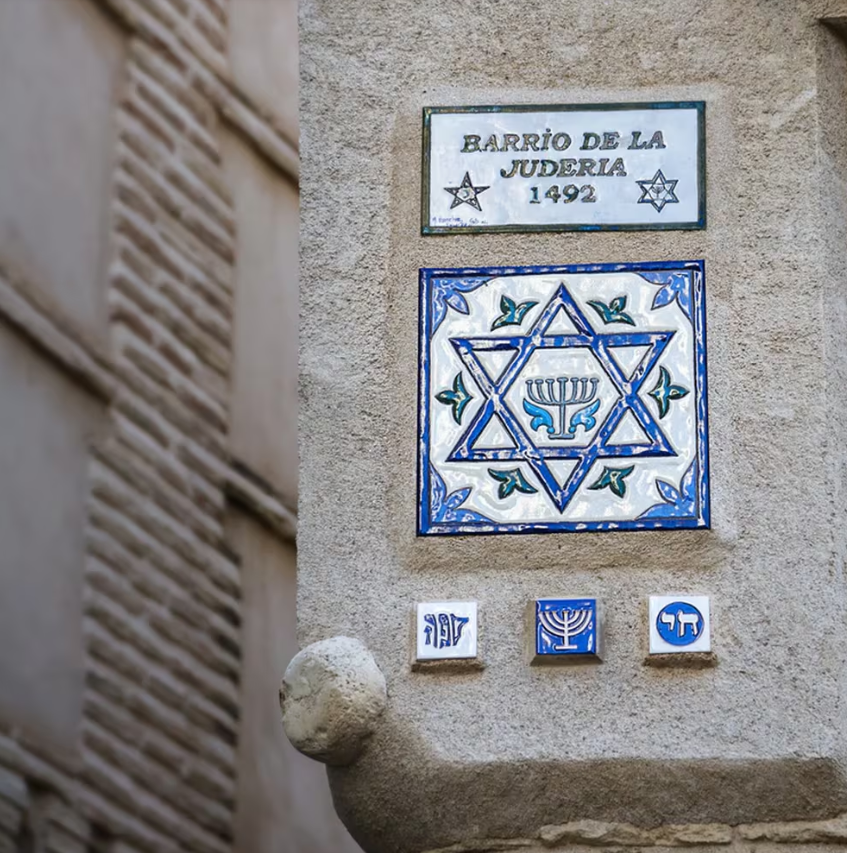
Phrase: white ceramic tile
[679,623]
[564,167]
[563,398]
[446,630]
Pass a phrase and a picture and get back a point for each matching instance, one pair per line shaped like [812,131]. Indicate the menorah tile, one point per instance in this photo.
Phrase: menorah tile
[679,623]
[446,630]
[567,628]
[564,398]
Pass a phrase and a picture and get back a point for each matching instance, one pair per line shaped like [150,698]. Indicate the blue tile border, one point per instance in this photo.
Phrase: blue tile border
[454,520]
[557,635]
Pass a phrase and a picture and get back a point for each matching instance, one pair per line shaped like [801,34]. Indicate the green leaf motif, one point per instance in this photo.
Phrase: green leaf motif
[613,479]
[513,313]
[665,391]
[511,481]
[458,398]
[613,312]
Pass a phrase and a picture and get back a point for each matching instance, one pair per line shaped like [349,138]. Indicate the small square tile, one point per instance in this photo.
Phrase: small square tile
[679,623]
[567,628]
[446,630]
[567,398]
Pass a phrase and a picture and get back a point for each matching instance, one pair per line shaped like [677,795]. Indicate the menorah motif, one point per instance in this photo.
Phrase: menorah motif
[583,390]
[565,625]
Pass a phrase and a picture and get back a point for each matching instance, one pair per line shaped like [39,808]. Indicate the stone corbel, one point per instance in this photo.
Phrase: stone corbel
[332,697]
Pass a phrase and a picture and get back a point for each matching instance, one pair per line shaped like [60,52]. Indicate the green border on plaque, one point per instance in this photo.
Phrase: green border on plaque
[699,224]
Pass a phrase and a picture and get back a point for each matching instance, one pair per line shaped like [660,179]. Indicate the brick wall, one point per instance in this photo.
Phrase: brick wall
[155,767]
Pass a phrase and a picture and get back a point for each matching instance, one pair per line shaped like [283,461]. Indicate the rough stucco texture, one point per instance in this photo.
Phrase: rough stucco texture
[506,750]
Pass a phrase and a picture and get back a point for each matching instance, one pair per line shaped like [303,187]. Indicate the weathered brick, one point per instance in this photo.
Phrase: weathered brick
[157,769]
[188,230]
[206,316]
[211,29]
[174,76]
[134,200]
[121,314]
[146,239]
[100,646]
[211,177]
[166,93]
[178,333]
[58,825]
[204,189]
[186,654]
[172,532]
[143,126]
[152,555]
[218,9]
[107,582]
[110,779]
[178,379]
[32,761]
[11,818]
[114,687]
[154,777]
[160,401]
[144,416]
[169,198]
[160,745]
[144,476]
[201,491]
[122,822]
[13,788]
[57,840]
[144,578]
[217,293]
[128,438]
[154,22]
[141,357]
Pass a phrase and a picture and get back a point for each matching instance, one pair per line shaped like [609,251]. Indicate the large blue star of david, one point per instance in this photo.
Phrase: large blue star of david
[494,391]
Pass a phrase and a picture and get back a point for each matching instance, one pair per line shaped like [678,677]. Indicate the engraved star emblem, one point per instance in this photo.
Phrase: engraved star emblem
[466,193]
[658,191]
[627,384]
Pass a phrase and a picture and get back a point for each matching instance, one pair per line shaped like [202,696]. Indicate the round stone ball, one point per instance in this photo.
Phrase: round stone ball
[332,697]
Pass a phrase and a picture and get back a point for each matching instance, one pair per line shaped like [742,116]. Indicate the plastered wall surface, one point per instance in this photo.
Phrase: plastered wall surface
[264,53]
[502,752]
[264,428]
[44,465]
[58,149]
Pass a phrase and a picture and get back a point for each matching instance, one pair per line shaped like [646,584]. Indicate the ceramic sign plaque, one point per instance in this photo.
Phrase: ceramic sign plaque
[446,630]
[679,623]
[576,167]
[566,629]
[566,398]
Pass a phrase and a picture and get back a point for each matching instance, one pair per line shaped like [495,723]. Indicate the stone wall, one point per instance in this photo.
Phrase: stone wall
[487,759]
[147,235]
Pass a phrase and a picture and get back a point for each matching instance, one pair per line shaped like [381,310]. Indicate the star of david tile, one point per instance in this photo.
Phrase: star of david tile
[563,399]
[658,191]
